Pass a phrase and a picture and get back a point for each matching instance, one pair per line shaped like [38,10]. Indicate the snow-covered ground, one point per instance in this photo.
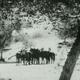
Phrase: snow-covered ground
[32,72]
[40,39]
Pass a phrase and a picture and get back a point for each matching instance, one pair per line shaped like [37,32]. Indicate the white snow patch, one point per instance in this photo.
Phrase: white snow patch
[15,47]
[33,72]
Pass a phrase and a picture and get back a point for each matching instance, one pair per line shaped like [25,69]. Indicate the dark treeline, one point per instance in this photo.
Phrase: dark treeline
[6,3]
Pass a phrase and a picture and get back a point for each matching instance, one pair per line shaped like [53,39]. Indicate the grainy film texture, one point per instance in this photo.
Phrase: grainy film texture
[39,39]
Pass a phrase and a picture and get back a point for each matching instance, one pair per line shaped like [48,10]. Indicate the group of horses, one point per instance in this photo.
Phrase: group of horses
[35,56]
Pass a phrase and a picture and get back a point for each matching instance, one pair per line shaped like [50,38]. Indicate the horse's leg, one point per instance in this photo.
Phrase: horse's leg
[24,61]
[38,60]
[47,60]
[42,60]
[29,61]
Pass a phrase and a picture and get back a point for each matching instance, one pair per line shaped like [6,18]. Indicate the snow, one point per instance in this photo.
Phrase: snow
[32,72]
[39,38]
[38,72]
[76,72]
[14,49]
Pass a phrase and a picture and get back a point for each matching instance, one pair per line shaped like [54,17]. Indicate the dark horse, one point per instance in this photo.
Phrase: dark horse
[52,56]
[18,57]
[35,56]
[48,56]
[28,57]
[23,56]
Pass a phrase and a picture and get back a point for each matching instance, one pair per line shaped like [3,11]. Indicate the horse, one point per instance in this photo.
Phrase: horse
[28,57]
[45,57]
[35,56]
[52,57]
[18,57]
